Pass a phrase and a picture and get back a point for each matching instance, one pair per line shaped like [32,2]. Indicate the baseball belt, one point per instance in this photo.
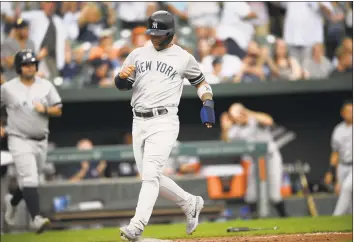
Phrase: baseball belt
[150,114]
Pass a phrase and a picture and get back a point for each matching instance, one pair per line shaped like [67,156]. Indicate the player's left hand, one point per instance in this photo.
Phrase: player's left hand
[209,125]
[207,113]
[39,107]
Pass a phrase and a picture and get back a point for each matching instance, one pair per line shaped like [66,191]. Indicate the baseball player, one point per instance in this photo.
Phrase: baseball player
[29,102]
[155,73]
[252,126]
[342,158]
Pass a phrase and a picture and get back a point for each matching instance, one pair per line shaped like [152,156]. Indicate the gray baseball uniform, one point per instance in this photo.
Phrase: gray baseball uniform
[342,142]
[157,84]
[27,129]
[253,132]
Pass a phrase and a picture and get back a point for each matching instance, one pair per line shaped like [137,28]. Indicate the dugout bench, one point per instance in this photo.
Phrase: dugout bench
[203,150]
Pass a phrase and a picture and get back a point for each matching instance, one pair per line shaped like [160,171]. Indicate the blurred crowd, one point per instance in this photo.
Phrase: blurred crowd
[83,44]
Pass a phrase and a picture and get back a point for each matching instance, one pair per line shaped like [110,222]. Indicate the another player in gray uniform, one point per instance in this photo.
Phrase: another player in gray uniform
[155,73]
[252,126]
[29,101]
[341,161]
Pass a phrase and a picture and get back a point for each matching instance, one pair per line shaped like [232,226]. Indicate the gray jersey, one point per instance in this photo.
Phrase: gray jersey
[23,120]
[342,142]
[158,77]
[253,132]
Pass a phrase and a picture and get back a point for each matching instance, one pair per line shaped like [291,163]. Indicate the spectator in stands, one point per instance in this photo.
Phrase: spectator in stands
[70,13]
[261,22]
[134,14]
[10,12]
[88,169]
[215,77]
[2,76]
[254,68]
[235,27]
[181,165]
[138,38]
[17,40]
[349,19]
[178,9]
[95,17]
[283,66]
[318,66]
[335,28]
[48,32]
[71,68]
[304,27]
[345,61]
[231,64]
[203,49]
[101,76]
[204,17]
[225,124]
[105,48]
[123,168]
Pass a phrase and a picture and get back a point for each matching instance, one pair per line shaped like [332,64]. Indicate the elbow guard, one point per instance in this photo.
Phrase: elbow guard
[123,84]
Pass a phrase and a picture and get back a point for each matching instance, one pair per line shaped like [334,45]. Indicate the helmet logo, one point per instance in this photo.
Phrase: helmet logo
[154,25]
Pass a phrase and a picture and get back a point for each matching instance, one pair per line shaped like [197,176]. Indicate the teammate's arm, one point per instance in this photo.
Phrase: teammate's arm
[2,106]
[262,118]
[54,108]
[334,158]
[196,78]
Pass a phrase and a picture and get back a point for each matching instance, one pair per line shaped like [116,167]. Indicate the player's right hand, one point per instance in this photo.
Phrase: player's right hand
[127,71]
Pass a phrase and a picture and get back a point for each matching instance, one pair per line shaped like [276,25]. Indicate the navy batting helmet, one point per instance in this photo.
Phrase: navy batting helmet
[161,23]
[25,57]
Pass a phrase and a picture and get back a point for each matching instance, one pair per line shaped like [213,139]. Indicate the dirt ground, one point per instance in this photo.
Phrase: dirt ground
[318,237]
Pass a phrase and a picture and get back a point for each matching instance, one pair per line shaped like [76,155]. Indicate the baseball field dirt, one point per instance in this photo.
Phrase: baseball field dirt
[317,237]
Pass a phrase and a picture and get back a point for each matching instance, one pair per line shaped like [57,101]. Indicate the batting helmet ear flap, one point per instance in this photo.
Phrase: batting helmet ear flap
[167,40]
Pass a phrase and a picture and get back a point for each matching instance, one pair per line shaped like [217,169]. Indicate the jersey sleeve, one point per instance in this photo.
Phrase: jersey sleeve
[54,98]
[192,71]
[130,60]
[335,143]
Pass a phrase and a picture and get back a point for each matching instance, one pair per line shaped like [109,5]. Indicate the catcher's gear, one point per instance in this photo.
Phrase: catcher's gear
[162,23]
[23,57]
[207,113]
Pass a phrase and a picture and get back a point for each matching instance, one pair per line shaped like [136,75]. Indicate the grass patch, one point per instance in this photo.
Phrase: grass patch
[177,231]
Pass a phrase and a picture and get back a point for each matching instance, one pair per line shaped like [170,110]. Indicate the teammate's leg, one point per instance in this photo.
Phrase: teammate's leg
[251,190]
[28,180]
[275,171]
[343,205]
